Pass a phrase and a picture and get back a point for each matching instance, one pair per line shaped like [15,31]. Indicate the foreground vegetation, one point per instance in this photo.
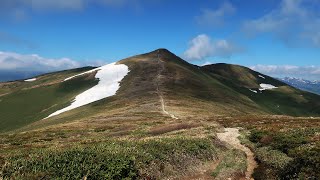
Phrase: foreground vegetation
[131,149]
[291,154]
[285,147]
[114,159]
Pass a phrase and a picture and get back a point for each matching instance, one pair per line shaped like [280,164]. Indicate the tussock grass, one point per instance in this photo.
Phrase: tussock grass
[233,164]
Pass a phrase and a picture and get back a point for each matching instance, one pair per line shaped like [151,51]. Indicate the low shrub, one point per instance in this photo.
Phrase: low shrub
[172,127]
[287,154]
[111,160]
[306,164]
[286,141]
[273,158]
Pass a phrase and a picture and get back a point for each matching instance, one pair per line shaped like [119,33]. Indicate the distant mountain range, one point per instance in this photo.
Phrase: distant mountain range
[307,85]
[17,75]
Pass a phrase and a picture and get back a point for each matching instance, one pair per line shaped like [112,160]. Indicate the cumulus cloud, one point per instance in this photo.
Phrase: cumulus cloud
[295,22]
[10,61]
[216,17]
[203,46]
[310,72]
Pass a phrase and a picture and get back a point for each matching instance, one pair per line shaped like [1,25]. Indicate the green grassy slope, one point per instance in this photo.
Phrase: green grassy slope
[285,100]
[32,101]
[194,90]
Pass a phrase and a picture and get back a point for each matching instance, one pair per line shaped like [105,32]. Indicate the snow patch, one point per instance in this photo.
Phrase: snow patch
[87,72]
[266,87]
[30,80]
[109,77]
[253,91]
[261,76]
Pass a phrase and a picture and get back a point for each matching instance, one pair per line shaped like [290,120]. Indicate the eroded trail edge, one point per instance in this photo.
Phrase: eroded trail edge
[230,136]
[161,69]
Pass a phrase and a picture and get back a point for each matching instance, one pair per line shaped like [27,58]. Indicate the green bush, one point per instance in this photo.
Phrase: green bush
[73,164]
[257,135]
[110,160]
[273,158]
[284,142]
[306,164]
[289,154]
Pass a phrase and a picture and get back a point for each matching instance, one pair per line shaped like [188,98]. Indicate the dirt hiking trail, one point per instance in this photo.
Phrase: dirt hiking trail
[230,136]
[161,69]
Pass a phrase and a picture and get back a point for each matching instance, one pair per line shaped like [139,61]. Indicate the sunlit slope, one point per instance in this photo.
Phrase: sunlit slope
[159,85]
[25,102]
[283,99]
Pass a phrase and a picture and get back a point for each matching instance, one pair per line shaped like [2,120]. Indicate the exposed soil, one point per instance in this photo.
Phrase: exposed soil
[158,82]
[230,136]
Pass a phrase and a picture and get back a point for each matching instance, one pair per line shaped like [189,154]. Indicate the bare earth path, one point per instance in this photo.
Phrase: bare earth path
[230,136]
[161,68]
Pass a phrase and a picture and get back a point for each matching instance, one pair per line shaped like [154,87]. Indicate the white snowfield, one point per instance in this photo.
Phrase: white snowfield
[109,77]
[263,87]
[266,87]
[253,91]
[87,72]
[261,76]
[30,80]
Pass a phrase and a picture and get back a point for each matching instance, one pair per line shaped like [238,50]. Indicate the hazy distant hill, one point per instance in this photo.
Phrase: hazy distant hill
[16,75]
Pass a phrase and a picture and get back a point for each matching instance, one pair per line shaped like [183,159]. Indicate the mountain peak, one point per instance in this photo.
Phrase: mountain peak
[162,51]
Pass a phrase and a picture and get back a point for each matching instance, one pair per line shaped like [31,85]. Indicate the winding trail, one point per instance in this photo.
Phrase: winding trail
[230,136]
[158,81]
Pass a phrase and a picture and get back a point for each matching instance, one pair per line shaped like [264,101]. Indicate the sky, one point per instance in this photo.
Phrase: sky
[275,37]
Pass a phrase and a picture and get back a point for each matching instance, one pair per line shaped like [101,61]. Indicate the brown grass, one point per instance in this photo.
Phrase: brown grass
[171,127]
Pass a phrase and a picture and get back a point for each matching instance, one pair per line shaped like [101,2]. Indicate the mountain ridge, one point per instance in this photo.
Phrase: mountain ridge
[160,85]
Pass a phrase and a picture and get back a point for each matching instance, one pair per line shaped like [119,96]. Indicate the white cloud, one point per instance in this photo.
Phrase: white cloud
[203,46]
[10,61]
[216,17]
[310,72]
[295,22]
[206,63]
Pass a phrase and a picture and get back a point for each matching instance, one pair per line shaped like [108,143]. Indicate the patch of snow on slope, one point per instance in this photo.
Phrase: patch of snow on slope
[30,80]
[266,87]
[87,72]
[261,76]
[253,91]
[109,77]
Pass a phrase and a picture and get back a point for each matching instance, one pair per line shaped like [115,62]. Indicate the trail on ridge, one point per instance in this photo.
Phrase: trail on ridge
[158,81]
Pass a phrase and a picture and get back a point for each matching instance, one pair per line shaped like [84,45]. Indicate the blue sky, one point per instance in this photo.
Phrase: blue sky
[277,37]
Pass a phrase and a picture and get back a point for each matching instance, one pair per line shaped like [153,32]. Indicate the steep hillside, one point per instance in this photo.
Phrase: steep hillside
[159,85]
[23,102]
[272,96]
